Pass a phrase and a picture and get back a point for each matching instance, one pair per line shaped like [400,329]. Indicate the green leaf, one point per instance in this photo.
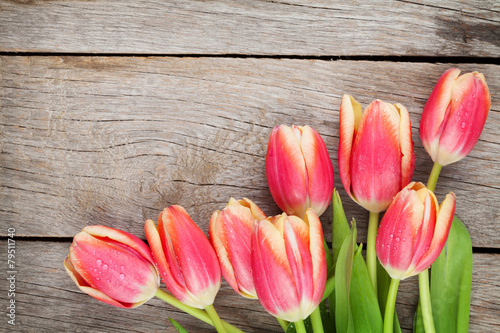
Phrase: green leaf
[343,271]
[364,304]
[418,321]
[451,278]
[340,227]
[177,326]
[383,282]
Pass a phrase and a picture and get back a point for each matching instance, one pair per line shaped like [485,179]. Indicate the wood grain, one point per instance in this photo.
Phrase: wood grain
[47,297]
[296,27]
[114,140]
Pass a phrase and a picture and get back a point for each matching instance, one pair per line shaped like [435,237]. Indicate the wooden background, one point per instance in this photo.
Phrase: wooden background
[113,110]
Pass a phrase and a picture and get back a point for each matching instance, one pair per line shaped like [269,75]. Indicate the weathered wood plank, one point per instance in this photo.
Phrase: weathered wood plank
[47,298]
[97,140]
[297,27]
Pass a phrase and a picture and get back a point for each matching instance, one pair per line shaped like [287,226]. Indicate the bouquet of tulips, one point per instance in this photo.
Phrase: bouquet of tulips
[284,261]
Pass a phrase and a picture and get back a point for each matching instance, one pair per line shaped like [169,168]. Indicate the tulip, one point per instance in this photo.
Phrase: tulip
[411,236]
[112,266]
[299,170]
[376,158]
[230,233]
[289,265]
[413,231]
[454,116]
[187,262]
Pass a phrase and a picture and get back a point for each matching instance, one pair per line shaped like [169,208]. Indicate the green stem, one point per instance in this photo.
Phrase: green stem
[300,327]
[219,326]
[371,255]
[317,323]
[197,313]
[433,177]
[425,301]
[390,305]
[283,323]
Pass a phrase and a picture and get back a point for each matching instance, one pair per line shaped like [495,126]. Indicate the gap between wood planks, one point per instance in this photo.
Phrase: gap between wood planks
[415,59]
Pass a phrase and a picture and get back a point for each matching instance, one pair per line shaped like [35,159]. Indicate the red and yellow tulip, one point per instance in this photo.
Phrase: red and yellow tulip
[289,265]
[299,170]
[376,158]
[187,262]
[454,116]
[230,233]
[112,266]
[413,231]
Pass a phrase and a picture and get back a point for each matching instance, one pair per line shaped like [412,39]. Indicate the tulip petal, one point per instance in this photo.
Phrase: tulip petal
[350,117]
[286,171]
[318,256]
[376,157]
[175,286]
[434,113]
[319,170]
[272,274]
[257,213]
[469,109]
[193,254]
[441,231]
[406,144]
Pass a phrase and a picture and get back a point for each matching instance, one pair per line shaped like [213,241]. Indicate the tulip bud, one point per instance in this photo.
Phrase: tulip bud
[299,170]
[376,158]
[230,234]
[289,265]
[413,231]
[187,262]
[112,266]
[454,116]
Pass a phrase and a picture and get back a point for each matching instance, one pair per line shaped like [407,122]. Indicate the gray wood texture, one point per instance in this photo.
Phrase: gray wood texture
[112,110]
[297,27]
[105,140]
[49,301]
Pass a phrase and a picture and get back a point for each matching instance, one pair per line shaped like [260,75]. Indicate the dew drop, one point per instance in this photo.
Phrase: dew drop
[397,239]
[463,125]
[95,270]
[108,280]
[98,279]
[122,268]
[99,262]
[105,267]
[394,248]
[122,276]
[391,235]
[404,239]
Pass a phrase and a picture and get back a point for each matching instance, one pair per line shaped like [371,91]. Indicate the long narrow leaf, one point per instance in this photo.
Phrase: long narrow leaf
[178,326]
[451,277]
[343,271]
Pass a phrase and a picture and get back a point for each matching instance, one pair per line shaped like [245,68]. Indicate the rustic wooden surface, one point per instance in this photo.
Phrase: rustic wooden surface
[111,111]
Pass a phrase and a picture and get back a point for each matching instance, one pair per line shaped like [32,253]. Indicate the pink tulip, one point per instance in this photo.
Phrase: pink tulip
[299,170]
[454,116]
[187,262]
[289,265]
[376,158]
[413,231]
[112,266]
[230,233]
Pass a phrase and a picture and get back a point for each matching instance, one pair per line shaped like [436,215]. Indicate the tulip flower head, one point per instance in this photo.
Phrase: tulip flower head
[187,262]
[289,265]
[454,116]
[299,170]
[376,158]
[230,233]
[112,266]
[413,231]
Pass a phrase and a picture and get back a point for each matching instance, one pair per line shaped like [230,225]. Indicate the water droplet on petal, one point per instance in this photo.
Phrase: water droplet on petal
[122,268]
[394,248]
[105,267]
[404,239]
[463,125]
[391,235]
[397,239]
[122,276]
[98,279]
[99,262]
